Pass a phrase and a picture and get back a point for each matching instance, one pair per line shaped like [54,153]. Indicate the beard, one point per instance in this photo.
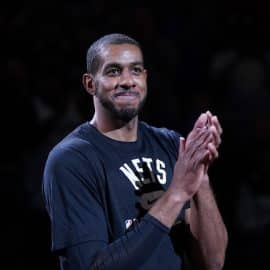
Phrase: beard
[123,114]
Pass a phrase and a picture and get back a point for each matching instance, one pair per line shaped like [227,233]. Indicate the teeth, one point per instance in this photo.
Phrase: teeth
[126,97]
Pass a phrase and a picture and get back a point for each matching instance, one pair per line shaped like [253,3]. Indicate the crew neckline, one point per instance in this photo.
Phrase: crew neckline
[115,142]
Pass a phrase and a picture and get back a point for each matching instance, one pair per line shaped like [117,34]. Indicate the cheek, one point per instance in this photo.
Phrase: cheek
[142,85]
[107,84]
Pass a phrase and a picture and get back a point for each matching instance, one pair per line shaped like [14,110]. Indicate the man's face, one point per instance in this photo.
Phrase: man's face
[121,81]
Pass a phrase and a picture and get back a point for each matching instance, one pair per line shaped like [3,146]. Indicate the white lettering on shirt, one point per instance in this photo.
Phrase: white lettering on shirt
[130,175]
[135,172]
[160,165]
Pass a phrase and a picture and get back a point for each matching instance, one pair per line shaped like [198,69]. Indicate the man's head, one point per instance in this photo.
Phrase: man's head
[116,76]
[93,54]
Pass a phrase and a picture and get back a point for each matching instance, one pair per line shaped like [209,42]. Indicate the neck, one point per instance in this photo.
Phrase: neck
[116,129]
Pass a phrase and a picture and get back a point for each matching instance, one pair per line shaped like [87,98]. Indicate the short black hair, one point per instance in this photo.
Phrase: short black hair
[93,59]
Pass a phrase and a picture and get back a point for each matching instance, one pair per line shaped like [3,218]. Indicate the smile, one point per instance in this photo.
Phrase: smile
[126,97]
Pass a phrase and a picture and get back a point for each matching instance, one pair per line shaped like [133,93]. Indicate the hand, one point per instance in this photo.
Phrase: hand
[193,154]
[211,123]
[216,130]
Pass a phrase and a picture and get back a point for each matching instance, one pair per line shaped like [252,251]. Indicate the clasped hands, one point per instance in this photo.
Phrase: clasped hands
[206,134]
[196,152]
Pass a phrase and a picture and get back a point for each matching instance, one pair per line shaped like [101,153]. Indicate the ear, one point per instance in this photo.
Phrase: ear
[145,73]
[88,83]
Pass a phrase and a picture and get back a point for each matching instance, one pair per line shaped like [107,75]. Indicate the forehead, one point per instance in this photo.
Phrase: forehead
[120,53]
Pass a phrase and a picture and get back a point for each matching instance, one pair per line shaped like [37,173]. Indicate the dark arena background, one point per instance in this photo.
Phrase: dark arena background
[199,55]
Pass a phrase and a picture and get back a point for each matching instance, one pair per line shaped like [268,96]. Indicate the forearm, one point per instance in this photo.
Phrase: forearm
[206,224]
[133,249]
[167,208]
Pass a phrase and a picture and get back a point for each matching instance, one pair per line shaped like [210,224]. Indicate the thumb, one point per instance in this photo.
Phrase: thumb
[201,121]
[182,144]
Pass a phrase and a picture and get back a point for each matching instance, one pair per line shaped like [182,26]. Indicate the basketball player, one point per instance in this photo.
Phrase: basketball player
[122,194]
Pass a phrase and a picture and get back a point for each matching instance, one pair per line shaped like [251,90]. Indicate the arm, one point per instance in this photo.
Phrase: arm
[89,246]
[79,225]
[209,238]
[188,173]
[141,243]
[131,252]
[133,249]
[208,241]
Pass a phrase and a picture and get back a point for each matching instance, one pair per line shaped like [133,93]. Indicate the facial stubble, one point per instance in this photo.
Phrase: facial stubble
[124,114]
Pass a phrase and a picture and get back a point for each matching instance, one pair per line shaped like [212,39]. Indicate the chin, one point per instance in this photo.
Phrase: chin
[123,111]
[126,114]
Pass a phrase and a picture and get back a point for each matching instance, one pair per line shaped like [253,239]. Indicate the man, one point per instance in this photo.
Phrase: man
[122,194]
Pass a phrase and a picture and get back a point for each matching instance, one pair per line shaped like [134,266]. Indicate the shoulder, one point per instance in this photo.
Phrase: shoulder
[72,164]
[76,149]
[162,133]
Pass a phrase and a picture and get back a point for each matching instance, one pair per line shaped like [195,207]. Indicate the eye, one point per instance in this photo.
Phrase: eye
[113,71]
[137,70]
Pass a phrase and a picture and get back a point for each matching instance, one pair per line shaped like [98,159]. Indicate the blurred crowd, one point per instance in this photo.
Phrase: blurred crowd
[199,56]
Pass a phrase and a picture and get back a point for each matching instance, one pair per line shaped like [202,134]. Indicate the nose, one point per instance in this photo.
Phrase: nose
[126,79]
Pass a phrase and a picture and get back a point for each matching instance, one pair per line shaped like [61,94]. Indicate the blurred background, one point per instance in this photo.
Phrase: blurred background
[200,55]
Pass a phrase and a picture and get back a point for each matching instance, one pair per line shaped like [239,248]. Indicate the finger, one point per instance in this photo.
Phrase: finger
[209,117]
[201,159]
[216,123]
[201,152]
[201,121]
[216,135]
[209,113]
[194,135]
[181,145]
[201,144]
[204,137]
[213,151]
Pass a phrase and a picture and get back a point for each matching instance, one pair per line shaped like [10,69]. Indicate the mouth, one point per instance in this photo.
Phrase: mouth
[126,97]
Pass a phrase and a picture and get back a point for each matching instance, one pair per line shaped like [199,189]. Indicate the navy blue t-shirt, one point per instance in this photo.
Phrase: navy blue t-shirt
[97,192]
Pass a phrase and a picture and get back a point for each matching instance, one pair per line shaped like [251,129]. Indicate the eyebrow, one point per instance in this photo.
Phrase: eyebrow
[117,64]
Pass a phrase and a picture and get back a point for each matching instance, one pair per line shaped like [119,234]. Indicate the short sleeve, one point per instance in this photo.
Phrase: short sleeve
[175,138]
[72,199]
